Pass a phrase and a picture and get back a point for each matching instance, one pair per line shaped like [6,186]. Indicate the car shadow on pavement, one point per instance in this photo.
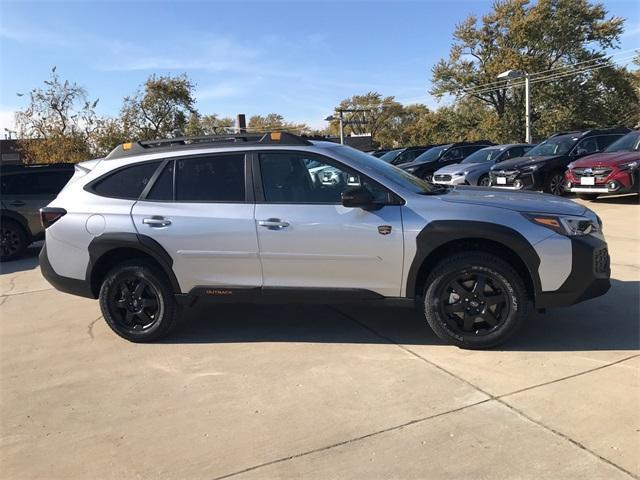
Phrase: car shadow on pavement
[27,261]
[628,199]
[607,323]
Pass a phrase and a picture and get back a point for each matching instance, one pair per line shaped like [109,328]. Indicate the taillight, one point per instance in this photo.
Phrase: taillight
[50,215]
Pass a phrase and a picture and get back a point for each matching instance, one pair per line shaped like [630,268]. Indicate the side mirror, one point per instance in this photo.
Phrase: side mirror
[357,197]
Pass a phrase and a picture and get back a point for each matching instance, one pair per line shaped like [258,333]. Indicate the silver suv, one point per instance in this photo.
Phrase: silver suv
[252,218]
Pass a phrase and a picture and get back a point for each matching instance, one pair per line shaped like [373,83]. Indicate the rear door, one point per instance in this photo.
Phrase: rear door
[309,240]
[201,210]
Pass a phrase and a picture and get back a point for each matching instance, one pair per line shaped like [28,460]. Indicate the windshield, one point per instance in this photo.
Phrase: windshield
[554,146]
[431,155]
[391,155]
[484,155]
[368,164]
[629,143]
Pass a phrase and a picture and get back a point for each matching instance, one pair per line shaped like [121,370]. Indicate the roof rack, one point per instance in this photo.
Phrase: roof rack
[180,143]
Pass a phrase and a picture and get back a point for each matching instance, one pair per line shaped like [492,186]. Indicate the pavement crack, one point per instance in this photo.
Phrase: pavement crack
[26,292]
[90,327]
[351,440]
[498,398]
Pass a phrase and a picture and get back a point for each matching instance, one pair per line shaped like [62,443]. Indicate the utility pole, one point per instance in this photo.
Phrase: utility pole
[515,74]
[341,127]
[342,123]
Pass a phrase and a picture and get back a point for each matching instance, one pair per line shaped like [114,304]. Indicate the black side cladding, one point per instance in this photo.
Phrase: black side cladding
[441,232]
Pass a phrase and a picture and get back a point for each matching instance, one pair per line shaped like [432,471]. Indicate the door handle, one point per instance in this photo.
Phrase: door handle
[156,221]
[16,203]
[273,224]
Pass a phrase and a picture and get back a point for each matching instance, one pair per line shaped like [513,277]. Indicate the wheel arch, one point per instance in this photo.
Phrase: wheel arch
[16,217]
[440,239]
[110,249]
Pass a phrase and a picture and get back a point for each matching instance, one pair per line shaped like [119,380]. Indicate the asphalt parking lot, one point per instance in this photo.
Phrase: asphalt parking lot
[322,392]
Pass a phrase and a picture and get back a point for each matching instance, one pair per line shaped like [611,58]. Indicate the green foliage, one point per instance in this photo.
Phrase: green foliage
[57,123]
[274,121]
[536,37]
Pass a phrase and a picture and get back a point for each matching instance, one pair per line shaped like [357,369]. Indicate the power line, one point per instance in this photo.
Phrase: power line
[564,67]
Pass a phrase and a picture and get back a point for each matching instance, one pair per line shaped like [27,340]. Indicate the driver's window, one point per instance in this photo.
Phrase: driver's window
[453,154]
[297,178]
[587,146]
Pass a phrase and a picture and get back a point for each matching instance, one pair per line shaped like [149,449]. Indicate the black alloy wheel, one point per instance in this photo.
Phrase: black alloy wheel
[474,303]
[137,301]
[134,303]
[484,181]
[555,184]
[13,240]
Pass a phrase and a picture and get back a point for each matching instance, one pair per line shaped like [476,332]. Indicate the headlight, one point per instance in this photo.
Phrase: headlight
[629,165]
[565,225]
[411,169]
[460,174]
[530,168]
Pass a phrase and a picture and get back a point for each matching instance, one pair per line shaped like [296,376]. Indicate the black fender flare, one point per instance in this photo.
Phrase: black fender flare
[107,242]
[440,232]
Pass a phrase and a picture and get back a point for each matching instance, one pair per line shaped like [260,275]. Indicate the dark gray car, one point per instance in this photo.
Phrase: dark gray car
[24,190]
[474,170]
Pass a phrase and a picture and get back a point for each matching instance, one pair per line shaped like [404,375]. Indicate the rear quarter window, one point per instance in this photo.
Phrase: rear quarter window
[126,183]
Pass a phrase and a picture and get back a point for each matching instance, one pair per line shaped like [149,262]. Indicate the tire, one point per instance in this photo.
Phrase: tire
[484,181]
[588,196]
[554,184]
[137,302]
[427,176]
[496,311]
[14,240]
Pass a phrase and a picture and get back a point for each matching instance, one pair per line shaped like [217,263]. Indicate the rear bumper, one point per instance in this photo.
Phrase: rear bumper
[589,277]
[73,286]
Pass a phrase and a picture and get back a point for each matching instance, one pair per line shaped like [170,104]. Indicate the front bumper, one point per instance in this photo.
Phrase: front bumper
[612,182]
[516,180]
[589,277]
[447,179]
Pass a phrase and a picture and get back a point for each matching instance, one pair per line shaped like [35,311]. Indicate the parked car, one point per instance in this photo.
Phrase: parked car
[474,170]
[24,190]
[378,153]
[437,157]
[543,167]
[399,156]
[611,172]
[157,225]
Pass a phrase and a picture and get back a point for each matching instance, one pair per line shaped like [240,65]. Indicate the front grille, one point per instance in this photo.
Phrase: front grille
[600,173]
[510,175]
[442,178]
[601,262]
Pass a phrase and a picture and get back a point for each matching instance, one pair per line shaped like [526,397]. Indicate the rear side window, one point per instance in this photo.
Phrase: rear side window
[163,187]
[215,178]
[128,182]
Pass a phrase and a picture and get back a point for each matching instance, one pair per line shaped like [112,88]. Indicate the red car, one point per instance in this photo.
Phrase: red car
[611,172]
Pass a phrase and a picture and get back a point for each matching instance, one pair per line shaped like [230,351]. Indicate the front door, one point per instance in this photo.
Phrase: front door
[308,239]
[205,223]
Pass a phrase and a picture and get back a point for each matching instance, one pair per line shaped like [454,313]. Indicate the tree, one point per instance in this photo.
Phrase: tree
[569,35]
[56,125]
[158,110]
[207,124]
[376,115]
[274,121]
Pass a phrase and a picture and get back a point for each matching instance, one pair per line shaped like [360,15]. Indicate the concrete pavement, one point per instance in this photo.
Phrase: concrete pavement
[321,392]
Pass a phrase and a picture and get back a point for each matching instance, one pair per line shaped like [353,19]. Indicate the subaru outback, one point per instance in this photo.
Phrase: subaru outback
[156,225]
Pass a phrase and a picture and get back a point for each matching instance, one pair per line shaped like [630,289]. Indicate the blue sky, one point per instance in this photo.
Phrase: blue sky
[295,58]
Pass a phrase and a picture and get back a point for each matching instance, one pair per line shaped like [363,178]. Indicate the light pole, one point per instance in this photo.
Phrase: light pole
[340,119]
[512,75]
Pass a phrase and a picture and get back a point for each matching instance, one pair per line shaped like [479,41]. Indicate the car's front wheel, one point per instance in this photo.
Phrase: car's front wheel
[137,302]
[475,300]
[555,184]
[484,181]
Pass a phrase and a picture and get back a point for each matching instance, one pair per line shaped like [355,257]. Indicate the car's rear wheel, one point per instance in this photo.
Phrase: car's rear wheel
[137,302]
[555,184]
[13,240]
[484,181]
[475,300]
[588,196]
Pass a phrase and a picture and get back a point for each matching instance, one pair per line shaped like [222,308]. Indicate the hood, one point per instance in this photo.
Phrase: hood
[520,201]
[606,159]
[464,167]
[404,166]
[519,162]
